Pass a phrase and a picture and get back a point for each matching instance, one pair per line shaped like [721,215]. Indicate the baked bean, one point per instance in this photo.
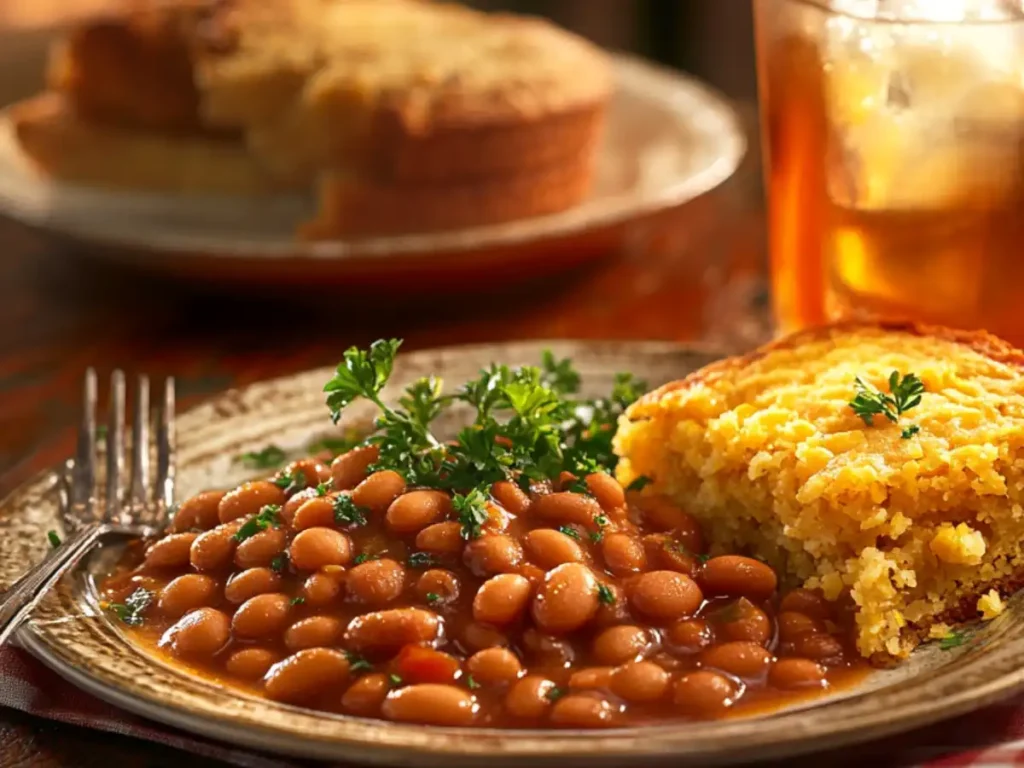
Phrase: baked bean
[171,551]
[314,548]
[477,636]
[582,711]
[549,548]
[313,632]
[617,645]
[378,491]
[622,553]
[690,635]
[198,512]
[415,510]
[437,587]
[391,629]
[441,539]
[198,634]
[417,664]
[305,675]
[492,553]
[793,625]
[528,698]
[351,468]
[212,550]
[511,497]
[501,599]
[566,600]
[665,595]
[566,507]
[665,552]
[249,583]
[661,514]
[365,696]
[294,504]
[376,582]
[248,499]
[303,474]
[614,608]
[704,693]
[547,650]
[250,663]
[591,677]
[494,666]
[737,576]
[322,588]
[745,660]
[317,512]
[808,602]
[185,593]
[431,704]
[606,490]
[790,674]
[742,620]
[261,616]
[820,647]
[639,681]
[260,549]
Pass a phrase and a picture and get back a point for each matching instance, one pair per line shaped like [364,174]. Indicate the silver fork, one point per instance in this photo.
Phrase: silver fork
[144,510]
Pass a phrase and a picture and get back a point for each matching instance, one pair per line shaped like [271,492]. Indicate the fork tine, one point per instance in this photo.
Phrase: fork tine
[83,474]
[115,446]
[165,447]
[140,447]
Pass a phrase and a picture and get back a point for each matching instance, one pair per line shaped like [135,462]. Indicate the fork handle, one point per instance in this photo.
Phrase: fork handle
[25,594]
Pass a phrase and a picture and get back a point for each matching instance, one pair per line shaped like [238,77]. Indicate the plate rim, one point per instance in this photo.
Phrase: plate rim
[717,122]
[998,671]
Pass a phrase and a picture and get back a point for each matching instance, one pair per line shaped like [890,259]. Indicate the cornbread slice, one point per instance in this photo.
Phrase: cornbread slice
[913,529]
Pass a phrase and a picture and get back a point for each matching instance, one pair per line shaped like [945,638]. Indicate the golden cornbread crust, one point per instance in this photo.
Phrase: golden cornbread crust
[765,450]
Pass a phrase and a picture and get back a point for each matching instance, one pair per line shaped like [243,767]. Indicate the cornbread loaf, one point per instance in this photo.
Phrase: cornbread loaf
[363,101]
[915,523]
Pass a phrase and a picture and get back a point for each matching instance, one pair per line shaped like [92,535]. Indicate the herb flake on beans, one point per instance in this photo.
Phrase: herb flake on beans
[131,610]
[347,512]
[528,425]
[395,680]
[420,560]
[357,663]
[639,483]
[322,489]
[433,598]
[554,694]
[605,594]
[290,482]
[280,563]
[471,683]
[364,557]
[268,517]
[298,600]
[269,457]
[53,538]
[569,531]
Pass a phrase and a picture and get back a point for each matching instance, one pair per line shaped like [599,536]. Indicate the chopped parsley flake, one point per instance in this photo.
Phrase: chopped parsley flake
[605,594]
[569,531]
[639,483]
[420,560]
[53,538]
[954,639]
[554,694]
[266,518]
[909,432]
[357,663]
[131,610]
[298,600]
[471,683]
[433,597]
[291,482]
[395,680]
[346,512]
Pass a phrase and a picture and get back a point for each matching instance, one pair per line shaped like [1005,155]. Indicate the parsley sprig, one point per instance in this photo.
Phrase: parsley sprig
[265,518]
[528,426]
[904,394]
[347,512]
[131,610]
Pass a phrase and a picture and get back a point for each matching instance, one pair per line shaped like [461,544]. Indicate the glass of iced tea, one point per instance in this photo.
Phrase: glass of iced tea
[893,135]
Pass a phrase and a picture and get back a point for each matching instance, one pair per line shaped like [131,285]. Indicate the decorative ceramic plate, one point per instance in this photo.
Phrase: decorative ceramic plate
[668,139]
[75,638]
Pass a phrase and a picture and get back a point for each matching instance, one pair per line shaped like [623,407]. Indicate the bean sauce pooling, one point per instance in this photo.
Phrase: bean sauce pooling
[401,587]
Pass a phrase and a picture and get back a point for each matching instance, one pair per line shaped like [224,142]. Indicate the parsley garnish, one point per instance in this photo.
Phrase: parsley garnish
[433,597]
[357,663]
[954,639]
[279,563]
[298,600]
[322,489]
[639,483]
[267,458]
[472,512]
[605,594]
[395,680]
[364,557]
[596,536]
[131,610]
[600,521]
[291,482]
[909,432]
[346,512]
[53,538]
[554,694]
[471,683]
[420,560]
[903,395]
[265,518]
[569,531]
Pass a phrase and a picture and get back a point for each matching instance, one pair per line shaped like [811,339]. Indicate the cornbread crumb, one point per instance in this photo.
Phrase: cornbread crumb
[765,451]
[939,631]
[990,605]
[961,544]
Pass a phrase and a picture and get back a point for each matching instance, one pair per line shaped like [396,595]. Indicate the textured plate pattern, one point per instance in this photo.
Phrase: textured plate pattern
[71,635]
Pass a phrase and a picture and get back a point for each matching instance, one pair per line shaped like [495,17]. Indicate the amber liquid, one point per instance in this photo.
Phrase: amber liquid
[941,243]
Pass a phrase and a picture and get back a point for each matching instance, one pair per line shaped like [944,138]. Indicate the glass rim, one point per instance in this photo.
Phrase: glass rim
[827,7]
